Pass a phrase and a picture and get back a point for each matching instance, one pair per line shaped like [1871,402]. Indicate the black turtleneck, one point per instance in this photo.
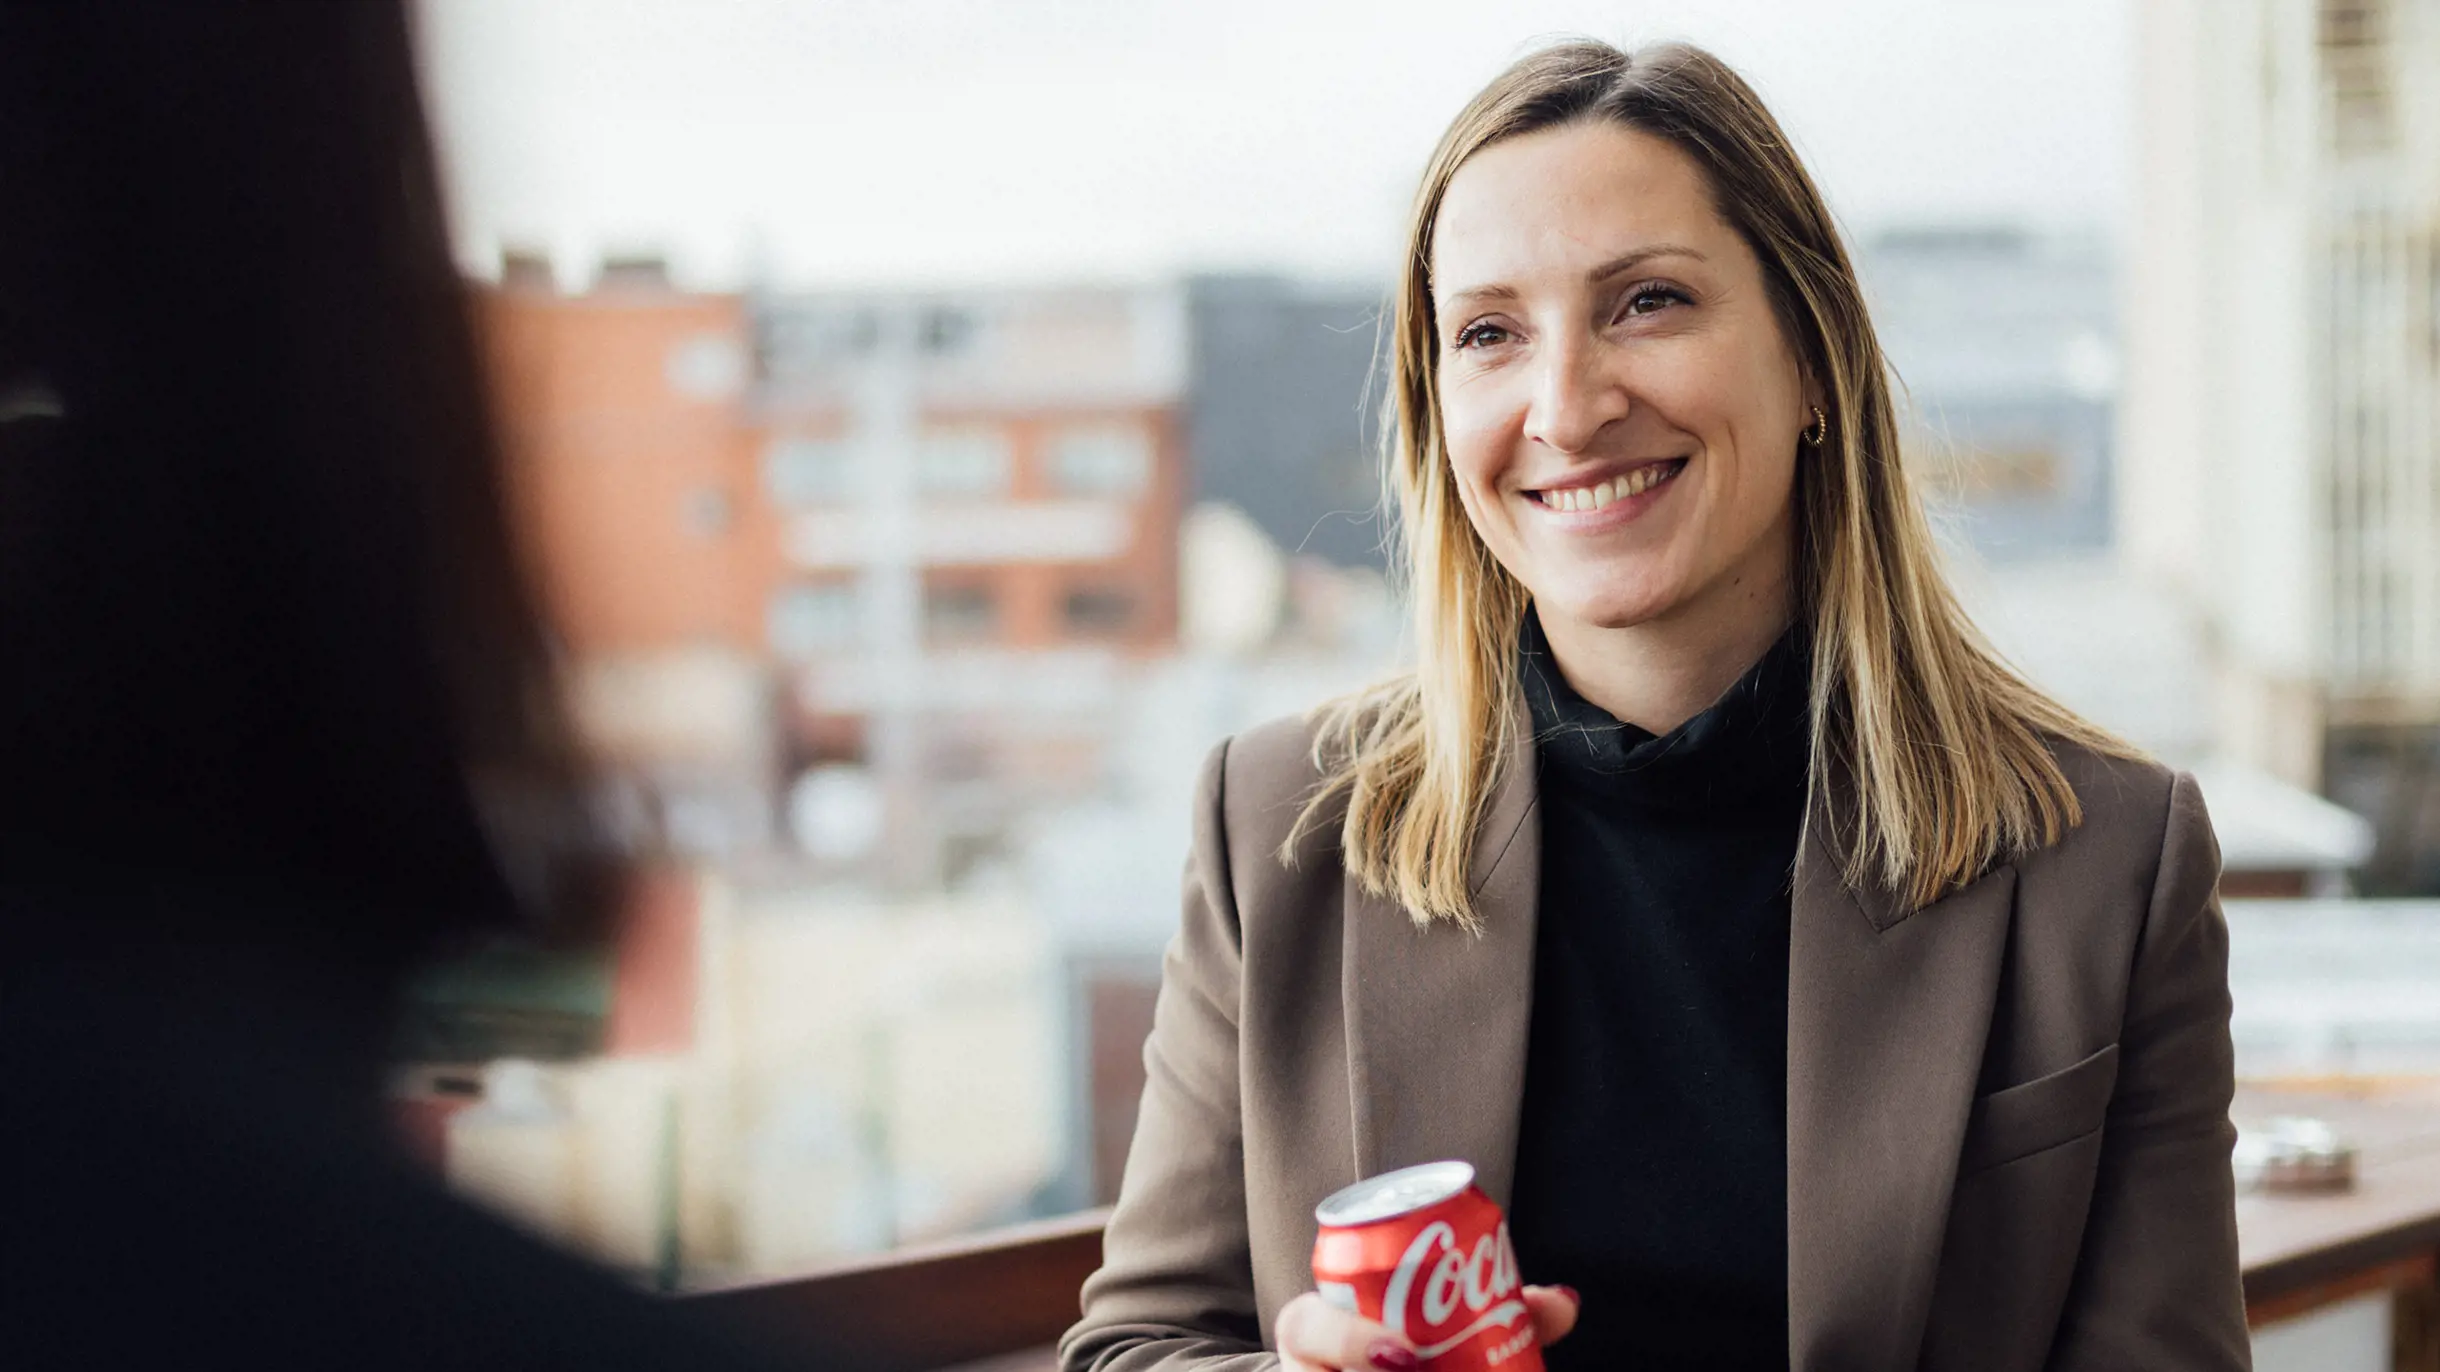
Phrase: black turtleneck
[1652,1149]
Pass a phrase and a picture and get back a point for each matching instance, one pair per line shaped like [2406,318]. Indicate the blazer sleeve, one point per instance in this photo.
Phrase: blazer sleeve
[2157,1285]
[1176,1285]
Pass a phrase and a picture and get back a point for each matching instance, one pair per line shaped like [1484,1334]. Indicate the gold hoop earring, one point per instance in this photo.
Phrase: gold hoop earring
[1818,431]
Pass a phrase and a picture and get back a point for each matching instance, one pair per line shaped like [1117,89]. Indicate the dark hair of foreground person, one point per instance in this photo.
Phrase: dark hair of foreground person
[276,711]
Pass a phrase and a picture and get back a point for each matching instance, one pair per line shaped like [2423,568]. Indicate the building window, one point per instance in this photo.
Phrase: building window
[960,613]
[1098,612]
[945,330]
[708,366]
[808,471]
[967,461]
[804,341]
[1101,459]
[814,618]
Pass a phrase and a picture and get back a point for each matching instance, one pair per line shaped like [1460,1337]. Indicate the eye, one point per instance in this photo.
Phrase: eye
[1479,333]
[1653,298]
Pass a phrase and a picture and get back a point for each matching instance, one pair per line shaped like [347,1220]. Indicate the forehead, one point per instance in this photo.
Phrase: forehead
[1564,197]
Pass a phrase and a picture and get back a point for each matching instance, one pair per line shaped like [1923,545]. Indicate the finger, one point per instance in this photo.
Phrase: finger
[1313,1334]
[1554,1311]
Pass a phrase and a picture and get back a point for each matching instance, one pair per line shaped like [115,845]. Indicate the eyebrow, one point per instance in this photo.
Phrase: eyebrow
[1616,266]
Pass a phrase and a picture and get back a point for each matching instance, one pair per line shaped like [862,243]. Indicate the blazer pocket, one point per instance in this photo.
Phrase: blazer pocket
[2042,1113]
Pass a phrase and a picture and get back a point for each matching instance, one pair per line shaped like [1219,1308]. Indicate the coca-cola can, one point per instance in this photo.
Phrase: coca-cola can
[1424,1252]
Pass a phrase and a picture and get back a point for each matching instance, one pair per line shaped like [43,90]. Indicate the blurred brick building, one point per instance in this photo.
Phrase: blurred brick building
[632,461]
[635,458]
[2282,432]
[853,578]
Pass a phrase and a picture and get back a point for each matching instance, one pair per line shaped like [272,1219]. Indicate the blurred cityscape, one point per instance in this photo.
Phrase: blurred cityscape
[902,620]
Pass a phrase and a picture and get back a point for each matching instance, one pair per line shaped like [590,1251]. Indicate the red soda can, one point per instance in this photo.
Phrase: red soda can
[1423,1251]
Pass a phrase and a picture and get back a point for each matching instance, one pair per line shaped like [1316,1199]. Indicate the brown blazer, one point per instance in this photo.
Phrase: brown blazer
[2008,1134]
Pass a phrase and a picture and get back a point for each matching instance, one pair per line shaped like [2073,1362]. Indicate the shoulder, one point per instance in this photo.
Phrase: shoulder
[1252,798]
[1275,760]
[2142,824]
[2116,790]
[1258,783]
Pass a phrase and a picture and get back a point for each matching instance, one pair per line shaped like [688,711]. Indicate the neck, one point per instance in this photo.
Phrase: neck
[1658,674]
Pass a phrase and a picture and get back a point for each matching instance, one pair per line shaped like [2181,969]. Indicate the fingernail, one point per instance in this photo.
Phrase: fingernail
[1392,1357]
[1570,1293]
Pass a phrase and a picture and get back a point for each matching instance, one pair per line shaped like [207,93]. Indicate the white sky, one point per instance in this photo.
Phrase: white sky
[918,141]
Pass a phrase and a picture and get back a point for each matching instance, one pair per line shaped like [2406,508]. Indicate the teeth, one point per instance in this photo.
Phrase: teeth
[1636,482]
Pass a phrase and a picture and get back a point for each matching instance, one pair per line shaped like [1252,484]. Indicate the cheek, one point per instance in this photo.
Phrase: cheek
[1707,390]
[1481,507]
[1478,429]
[1741,425]
[1476,461]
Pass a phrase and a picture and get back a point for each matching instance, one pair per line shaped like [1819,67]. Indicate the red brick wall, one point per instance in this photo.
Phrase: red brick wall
[611,463]
[1032,596]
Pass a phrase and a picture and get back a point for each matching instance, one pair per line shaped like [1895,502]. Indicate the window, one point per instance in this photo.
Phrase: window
[1098,611]
[960,613]
[965,461]
[1101,459]
[810,619]
[945,330]
[798,344]
[808,471]
[708,366]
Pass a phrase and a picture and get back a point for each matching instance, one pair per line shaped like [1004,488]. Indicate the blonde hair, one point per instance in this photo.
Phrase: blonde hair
[1944,752]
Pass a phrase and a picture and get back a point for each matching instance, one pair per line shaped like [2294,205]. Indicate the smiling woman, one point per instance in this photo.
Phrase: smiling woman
[1622,410]
[1813,992]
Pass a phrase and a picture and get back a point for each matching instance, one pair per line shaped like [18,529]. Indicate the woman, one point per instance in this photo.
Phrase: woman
[266,647]
[1813,992]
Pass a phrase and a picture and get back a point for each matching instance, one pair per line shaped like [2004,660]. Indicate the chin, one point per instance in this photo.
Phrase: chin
[1609,608]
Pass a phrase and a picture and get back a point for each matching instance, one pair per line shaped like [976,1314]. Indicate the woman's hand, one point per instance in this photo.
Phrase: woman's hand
[1314,1336]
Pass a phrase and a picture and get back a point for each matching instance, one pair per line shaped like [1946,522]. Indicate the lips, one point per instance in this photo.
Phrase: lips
[1586,498]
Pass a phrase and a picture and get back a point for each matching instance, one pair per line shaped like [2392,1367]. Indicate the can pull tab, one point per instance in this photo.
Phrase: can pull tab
[1338,1295]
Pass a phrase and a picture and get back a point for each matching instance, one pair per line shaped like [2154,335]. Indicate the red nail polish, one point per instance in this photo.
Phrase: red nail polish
[1570,1293]
[1392,1357]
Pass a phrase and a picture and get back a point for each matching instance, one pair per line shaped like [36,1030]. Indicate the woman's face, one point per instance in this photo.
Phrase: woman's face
[1621,407]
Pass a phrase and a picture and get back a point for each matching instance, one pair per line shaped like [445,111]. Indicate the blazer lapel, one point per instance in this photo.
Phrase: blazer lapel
[1887,1017]
[1437,1016]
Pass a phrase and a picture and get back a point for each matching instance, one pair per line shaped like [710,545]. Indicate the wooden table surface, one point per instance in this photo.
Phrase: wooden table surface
[2292,1242]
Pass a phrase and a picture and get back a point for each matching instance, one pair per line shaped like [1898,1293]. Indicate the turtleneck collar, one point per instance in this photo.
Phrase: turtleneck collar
[1750,747]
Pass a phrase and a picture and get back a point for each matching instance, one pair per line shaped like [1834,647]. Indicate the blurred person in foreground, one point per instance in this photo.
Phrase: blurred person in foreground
[1814,992]
[275,707]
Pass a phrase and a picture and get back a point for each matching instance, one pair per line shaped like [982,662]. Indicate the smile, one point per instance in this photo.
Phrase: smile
[1599,495]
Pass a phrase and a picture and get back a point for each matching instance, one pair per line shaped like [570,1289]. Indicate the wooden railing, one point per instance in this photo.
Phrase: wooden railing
[1008,1292]
[999,1300]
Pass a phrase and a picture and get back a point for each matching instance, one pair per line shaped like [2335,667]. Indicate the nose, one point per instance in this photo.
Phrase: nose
[1574,397]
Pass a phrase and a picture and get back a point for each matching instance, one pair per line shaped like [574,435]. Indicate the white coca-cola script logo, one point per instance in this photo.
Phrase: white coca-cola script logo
[1485,1281]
